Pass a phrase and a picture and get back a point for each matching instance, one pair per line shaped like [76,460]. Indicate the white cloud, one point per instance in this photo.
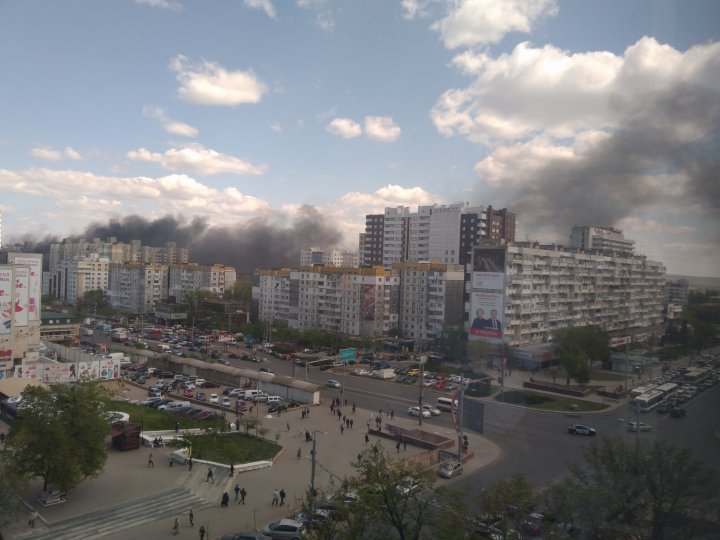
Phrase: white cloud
[381,128]
[264,5]
[481,22]
[413,9]
[345,128]
[208,83]
[171,126]
[163,4]
[49,154]
[546,90]
[276,127]
[387,196]
[195,157]
[323,17]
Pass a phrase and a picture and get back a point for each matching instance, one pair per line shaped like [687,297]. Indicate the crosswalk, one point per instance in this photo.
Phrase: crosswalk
[165,504]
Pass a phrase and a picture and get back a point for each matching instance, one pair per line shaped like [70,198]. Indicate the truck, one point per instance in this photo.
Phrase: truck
[385,373]
[119,335]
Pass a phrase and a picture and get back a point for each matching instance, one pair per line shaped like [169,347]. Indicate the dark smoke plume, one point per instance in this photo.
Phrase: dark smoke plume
[258,243]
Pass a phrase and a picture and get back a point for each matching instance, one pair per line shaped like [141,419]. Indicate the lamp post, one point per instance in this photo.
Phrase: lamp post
[423,359]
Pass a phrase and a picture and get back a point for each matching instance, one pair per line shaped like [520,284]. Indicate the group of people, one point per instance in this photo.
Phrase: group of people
[278,497]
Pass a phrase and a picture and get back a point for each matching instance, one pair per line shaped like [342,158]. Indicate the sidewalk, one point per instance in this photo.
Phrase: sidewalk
[127,476]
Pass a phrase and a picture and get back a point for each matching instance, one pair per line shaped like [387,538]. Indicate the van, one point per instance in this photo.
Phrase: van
[446,404]
[274,399]
[250,394]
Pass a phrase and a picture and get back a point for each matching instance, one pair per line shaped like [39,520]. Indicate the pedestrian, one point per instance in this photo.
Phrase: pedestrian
[2,437]
[201,530]
[190,464]
[282,496]
[177,427]
[151,463]
[225,500]
[332,408]
[404,444]
[299,452]
[392,415]
[344,418]
[347,423]
[368,424]
[33,518]
[176,527]
[210,476]
[397,447]
[275,497]
[345,403]
[353,408]
[287,425]
[351,423]
[242,495]
[232,469]
[237,491]
[367,439]
[191,518]
[342,429]
[307,412]
[302,414]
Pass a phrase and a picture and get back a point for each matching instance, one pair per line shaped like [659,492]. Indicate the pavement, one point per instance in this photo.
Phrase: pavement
[128,498]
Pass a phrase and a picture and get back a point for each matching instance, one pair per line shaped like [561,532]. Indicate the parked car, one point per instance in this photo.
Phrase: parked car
[188,393]
[285,528]
[225,401]
[332,383]
[579,429]
[233,355]
[211,384]
[450,469]
[677,412]
[415,411]
[192,412]
[227,390]
[200,396]
[245,535]
[277,406]
[213,398]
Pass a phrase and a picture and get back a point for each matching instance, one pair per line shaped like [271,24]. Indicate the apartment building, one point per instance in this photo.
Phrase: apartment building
[74,277]
[371,241]
[431,298]
[137,288]
[534,289]
[273,294]
[214,278]
[601,239]
[328,257]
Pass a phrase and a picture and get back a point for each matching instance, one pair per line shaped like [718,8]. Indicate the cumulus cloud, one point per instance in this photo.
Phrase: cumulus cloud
[195,157]
[387,196]
[208,83]
[481,22]
[345,128]
[171,126]
[162,4]
[49,154]
[381,128]
[263,5]
[413,9]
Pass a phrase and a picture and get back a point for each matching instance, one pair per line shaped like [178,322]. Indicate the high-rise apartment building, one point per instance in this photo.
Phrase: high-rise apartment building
[137,288]
[328,257]
[601,239]
[371,241]
[76,276]
[214,278]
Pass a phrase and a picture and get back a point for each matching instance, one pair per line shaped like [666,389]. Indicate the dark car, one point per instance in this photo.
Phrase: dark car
[277,406]
[579,429]
[192,411]
[266,370]
[234,356]
[200,396]
[210,384]
[677,412]
[663,408]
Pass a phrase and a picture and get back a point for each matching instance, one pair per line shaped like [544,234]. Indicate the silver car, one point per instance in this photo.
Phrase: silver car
[285,528]
[450,469]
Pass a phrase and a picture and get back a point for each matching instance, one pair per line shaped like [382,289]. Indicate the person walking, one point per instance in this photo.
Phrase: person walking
[151,463]
[275,497]
[392,415]
[287,425]
[342,429]
[190,464]
[191,518]
[225,500]
[33,518]
[367,439]
[237,492]
[351,423]
[176,527]
[232,470]
[201,530]
[210,476]
[242,495]
[397,447]
[282,496]
[353,407]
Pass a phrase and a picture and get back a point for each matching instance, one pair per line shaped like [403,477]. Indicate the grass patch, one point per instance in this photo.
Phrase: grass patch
[231,448]
[152,420]
[547,402]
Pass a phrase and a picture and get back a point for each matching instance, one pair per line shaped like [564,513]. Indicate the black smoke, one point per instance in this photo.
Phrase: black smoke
[257,243]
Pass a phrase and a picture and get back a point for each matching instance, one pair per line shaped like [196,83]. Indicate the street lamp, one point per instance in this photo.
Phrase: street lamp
[422,359]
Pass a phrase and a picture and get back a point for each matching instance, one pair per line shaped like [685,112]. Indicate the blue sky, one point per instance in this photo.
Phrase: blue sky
[601,112]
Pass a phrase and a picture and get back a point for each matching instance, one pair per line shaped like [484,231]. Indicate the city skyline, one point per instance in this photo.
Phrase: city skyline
[258,125]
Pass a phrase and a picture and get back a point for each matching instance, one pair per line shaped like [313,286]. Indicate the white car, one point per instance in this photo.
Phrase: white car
[332,383]
[213,398]
[415,411]
[225,402]
[432,409]
[632,426]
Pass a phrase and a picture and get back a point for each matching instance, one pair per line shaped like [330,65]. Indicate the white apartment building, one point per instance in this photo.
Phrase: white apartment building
[395,238]
[431,298]
[329,257]
[214,278]
[137,288]
[79,275]
[603,239]
[274,294]
[542,288]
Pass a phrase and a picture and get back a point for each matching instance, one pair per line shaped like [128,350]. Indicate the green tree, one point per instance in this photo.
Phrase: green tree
[568,352]
[59,435]
[10,484]
[506,503]
[655,490]
[394,494]
[93,303]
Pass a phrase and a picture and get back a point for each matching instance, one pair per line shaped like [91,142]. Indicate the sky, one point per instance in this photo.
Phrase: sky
[248,129]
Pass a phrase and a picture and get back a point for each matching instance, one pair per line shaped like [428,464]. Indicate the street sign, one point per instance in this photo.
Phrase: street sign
[347,355]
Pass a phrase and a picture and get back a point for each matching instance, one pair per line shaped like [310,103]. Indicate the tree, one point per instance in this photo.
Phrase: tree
[477,350]
[568,351]
[10,484]
[621,491]
[59,434]
[506,503]
[393,494]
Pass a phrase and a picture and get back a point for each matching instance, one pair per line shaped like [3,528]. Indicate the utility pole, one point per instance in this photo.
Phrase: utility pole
[420,392]
[459,425]
[313,453]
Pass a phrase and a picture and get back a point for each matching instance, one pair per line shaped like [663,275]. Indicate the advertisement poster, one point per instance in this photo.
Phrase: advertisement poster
[369,302]
[22,285]
[6,287]
[60,373]
[34,286]
[488,269]
[486,313]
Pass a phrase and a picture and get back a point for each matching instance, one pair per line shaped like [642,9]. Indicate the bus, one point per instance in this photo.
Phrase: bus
[696,375]
[648,401]
[640,390]
[668,389]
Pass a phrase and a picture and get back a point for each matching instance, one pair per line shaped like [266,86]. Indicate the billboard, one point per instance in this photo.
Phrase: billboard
[63,372]
[368,305]
[488,268]
[486,316]
[34,286]
[22,295]
[6,289]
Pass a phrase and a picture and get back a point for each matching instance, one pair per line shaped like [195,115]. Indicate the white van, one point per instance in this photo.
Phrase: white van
[274,399]
[250,394]
[446,404]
